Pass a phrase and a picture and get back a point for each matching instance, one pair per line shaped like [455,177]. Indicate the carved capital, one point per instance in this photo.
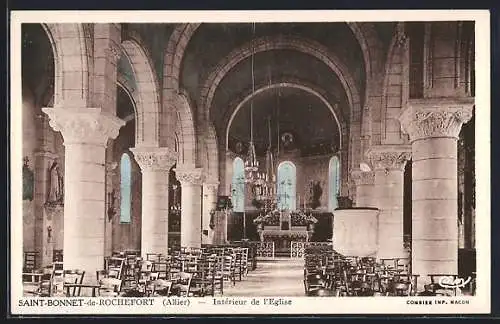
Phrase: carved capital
[211,187]
[363,177]
[154,158]
[435,118]
[115,51]
[388,157]
[401,39]
[111,166]
[193,176]
[84,125]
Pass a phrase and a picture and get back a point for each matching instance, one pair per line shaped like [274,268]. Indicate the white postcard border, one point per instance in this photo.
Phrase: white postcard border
[300,305]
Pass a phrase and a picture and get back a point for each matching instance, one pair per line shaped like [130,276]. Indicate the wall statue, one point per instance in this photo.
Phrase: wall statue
[315,191]
[28,180]
[56,185]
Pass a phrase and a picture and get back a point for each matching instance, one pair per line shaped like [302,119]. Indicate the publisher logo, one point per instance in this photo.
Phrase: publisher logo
[450,282]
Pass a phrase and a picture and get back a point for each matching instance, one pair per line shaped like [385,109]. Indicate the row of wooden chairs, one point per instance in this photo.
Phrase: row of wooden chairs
[329,273]
[193,272]
[55,281]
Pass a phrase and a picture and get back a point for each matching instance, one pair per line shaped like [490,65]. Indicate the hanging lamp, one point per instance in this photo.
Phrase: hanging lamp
[251,163]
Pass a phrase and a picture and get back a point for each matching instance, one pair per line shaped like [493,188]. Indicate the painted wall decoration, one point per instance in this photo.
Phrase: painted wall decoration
[28,180]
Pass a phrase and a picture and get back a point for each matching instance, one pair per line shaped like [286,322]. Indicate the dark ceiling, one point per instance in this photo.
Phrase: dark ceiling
[124,105]
[272,67]
[37,62]
[310,120]
[300,113]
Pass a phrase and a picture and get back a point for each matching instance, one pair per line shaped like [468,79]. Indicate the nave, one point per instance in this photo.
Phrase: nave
[240,271]
[274,277]
[195,136]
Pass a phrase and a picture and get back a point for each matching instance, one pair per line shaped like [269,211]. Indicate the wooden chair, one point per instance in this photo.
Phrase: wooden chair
[29,261]
[32,282]
[153,257]
[404,285]
[110,287]
[228,268]
[203,282]
[313,282]
[52,282]
[182,284]
[218,274]
[161,287]
[162,267]
[73,277]
[114,267]
[144,274]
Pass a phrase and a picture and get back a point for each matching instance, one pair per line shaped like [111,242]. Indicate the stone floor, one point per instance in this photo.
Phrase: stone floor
[278,277]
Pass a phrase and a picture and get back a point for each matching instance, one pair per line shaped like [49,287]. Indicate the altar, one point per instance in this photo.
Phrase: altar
[284,227]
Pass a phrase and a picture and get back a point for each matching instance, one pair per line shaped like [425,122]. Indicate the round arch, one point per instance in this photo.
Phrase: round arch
[187,135]
[147,96]
[133,100]
[183,33]
[71,64]
[263,44]
[397,49]
[341,124]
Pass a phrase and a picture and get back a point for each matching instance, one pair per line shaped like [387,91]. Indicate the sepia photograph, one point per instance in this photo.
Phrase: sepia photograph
[250,162]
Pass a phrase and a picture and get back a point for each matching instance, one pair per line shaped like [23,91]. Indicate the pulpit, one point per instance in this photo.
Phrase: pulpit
[355,231]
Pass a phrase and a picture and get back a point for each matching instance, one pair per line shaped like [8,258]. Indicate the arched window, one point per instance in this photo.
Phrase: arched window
[333,182]
[238,186]
[287,180]
[125,188]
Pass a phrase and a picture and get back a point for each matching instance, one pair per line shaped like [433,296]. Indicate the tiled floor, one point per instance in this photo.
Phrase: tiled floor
[278,277]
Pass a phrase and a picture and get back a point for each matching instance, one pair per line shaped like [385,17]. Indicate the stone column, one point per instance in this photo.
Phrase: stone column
[44,244]
[229,159]
[210,190]
[364,181]
[86,132]
[388,163]
[42,161]
[433,126]
[155,163]
[191,180]
[111,168]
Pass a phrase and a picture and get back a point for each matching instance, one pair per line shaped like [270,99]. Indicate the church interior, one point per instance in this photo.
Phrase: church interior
[248,159]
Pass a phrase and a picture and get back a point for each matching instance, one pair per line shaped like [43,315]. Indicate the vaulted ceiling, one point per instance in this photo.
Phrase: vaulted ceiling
[303,113]
[308,87]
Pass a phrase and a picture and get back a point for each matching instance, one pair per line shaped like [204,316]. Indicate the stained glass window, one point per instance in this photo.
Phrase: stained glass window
[287,180]
[238,186]
[125,188]
[334,182]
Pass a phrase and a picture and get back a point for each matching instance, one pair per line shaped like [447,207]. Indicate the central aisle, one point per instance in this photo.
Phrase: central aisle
[278,277]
